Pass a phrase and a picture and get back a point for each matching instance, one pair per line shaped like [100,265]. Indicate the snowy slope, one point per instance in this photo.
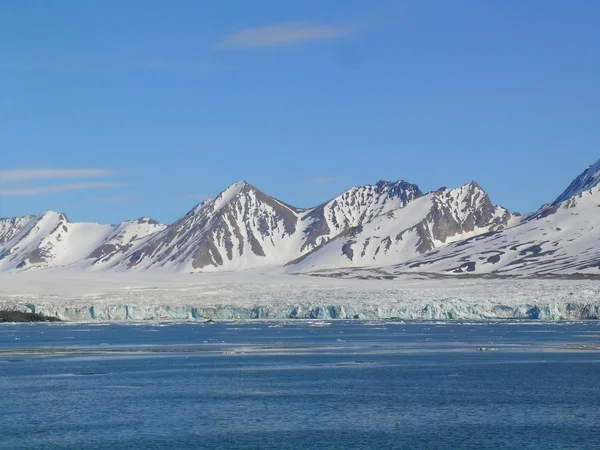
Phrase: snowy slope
[11,227]
[124,238]
[51,240]
[422,225]
[559,239]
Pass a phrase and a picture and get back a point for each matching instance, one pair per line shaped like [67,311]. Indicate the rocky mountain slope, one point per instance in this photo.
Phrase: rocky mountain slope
[424,224]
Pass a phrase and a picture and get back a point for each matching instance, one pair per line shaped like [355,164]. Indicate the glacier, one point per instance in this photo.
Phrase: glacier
[77,297]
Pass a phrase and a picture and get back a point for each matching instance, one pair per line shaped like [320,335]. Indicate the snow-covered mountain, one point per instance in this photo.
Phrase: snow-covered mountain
[51,240]
[560,238]
[244,228]
[239,228]
[424,224]
[354,207]
[124,238]
[389,225]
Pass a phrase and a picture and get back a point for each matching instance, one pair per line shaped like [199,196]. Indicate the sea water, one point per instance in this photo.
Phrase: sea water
[297,385]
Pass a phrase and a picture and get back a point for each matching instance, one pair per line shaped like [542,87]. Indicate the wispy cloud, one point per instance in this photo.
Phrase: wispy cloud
[323,180]
[19,175]
[42,190]
[280,35]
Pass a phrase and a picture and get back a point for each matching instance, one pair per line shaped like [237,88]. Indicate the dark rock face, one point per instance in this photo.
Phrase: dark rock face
[443,223]
[317,228]
[425,242]
[17,316]
[475,210]
[103,251]
[402,190]
[347,249]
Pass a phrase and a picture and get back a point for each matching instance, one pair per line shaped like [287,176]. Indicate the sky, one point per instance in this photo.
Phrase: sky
[112,110]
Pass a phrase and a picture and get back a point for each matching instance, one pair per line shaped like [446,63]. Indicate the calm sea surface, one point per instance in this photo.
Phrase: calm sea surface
[295,385]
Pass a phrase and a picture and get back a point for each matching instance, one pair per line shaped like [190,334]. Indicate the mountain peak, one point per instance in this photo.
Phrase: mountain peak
[240,184]
[235,188]
[53,215]
[470,187]
[392,183]
[473,185]
[394,188]
[143,220]
[587,179]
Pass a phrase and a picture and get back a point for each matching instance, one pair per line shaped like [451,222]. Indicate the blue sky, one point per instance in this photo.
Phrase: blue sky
[112,110]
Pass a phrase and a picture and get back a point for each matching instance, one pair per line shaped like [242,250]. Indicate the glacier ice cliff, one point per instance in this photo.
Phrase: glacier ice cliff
[433,311]
[235,297]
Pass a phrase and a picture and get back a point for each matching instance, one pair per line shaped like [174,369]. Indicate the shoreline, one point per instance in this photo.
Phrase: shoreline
[10,316]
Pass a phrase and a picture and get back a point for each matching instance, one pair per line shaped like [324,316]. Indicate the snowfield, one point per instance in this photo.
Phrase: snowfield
[76,296]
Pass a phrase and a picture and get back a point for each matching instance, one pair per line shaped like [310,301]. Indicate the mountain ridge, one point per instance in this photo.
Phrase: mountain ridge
[389,224]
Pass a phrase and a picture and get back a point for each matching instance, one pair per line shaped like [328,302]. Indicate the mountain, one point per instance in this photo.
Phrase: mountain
[243,227]
[424,224]
[51,240]
[124,238]
[390,226]
[239,228]
[559,239]
[354,207]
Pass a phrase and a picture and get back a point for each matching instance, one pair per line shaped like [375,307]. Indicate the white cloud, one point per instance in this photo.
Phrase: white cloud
[281,35]
[323,180]
[18,175]
[42,190]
